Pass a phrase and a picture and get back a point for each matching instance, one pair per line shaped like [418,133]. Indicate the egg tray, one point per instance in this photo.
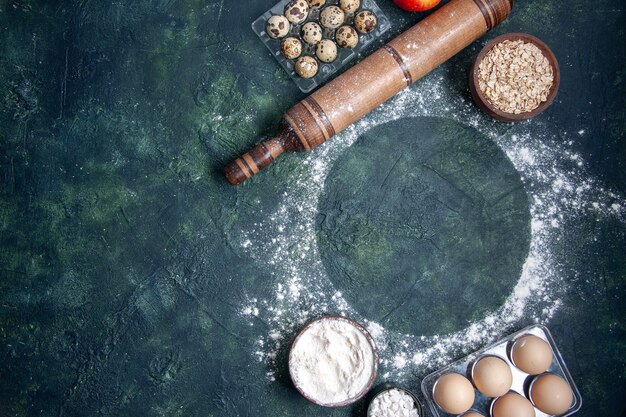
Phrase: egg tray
[521,380]
[326,70]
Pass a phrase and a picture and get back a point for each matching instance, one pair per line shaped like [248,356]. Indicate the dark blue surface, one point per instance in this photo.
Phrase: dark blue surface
[120,284]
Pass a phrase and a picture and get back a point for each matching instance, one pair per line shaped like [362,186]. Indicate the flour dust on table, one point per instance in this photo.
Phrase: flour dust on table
[285,242]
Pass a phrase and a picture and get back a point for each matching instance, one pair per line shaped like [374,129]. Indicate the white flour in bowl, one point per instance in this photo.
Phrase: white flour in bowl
[332,361]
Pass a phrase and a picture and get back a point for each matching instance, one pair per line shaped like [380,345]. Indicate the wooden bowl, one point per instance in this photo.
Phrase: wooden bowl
[481,99]
[370,382]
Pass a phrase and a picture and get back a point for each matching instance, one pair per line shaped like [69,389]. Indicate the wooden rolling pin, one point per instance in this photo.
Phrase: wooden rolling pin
[374,80]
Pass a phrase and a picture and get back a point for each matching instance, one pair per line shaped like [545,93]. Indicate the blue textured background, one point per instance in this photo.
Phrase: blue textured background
[119,284]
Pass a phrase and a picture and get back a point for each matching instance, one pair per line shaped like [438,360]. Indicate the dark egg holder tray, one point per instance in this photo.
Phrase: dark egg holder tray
[344,56]
[521,380]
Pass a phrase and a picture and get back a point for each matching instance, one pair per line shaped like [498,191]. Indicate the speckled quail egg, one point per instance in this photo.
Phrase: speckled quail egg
[291,48]
[296,11]
[312,33]
[365,21]
[332,17]
[277,27]
[316,3]
[306,67]
[347,37]
[326,51]
[349,6]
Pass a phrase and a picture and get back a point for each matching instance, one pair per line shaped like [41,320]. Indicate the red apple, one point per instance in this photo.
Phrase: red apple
[416,5]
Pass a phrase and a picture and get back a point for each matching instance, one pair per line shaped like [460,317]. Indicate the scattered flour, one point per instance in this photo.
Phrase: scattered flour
[332,361]
[285,241]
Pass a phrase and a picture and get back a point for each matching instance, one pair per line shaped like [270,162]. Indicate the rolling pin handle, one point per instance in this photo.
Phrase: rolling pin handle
[253,161]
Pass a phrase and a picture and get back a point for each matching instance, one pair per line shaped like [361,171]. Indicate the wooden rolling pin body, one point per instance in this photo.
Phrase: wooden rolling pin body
[374,80]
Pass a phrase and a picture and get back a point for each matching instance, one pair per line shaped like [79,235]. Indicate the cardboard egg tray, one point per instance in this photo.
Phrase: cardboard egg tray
[326,70]
[521,380]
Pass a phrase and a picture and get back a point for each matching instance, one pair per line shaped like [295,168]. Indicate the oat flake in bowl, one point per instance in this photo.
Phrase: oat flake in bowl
[515,77]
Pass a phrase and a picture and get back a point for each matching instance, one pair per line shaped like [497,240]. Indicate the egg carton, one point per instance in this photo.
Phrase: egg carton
[521,380]
[344,56]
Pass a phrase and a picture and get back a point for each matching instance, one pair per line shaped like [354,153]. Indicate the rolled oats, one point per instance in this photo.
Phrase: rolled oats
[515,76]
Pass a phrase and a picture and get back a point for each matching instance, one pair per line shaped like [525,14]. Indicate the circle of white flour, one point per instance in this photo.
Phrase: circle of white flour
[332,361]
[285,241]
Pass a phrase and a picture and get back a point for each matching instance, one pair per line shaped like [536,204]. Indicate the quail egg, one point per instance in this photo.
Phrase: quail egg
[349,6]
[277,27]
[306,67]
[347,37]
[312,33]
[332,17]
[316,3]
[296,11]
[326,51]
[291,48]
[453,393]
[365,21]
